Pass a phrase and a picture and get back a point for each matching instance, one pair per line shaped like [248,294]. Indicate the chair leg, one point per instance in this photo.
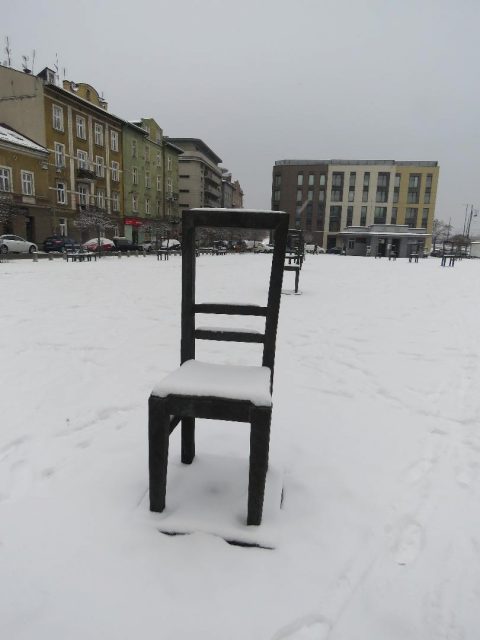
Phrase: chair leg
[158,437]
[188,440]
[259,446]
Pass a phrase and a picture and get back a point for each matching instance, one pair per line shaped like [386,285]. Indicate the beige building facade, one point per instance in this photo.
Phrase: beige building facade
[324,197]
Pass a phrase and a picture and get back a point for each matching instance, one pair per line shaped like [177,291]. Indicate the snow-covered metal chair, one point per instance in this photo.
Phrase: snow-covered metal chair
[216,391]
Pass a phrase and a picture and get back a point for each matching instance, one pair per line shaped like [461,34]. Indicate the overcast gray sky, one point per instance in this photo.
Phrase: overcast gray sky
[262,81]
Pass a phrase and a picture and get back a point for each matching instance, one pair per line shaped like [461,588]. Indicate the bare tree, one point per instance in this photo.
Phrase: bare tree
[441,231]
[8,209]
[96,219]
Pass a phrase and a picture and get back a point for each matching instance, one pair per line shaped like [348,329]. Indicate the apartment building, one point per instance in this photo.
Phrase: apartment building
[84,141]
[199,174]
[24,203]
[324,197]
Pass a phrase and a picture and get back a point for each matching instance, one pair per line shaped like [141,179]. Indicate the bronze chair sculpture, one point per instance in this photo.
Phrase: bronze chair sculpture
[219,392]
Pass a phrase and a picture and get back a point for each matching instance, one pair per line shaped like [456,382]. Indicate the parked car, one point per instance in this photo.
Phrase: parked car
[60,243]
[148,246]
[335,250]
[171,245]
[92,244]
[15,244]
[124,244]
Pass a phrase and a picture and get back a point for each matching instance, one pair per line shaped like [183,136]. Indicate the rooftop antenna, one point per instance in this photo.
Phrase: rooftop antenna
[55,66]
[25,65]
[33,59]
[8,51]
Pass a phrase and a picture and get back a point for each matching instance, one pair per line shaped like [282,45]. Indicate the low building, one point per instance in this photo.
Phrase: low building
[24,195]
[381,240]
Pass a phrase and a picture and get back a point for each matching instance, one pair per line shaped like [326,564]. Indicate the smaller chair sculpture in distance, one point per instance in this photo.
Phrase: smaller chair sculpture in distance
[212,391]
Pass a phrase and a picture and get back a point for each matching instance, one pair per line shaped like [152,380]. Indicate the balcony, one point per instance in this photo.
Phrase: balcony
[86,174]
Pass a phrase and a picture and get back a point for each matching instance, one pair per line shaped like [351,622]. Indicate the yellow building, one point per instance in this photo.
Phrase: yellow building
[24,193]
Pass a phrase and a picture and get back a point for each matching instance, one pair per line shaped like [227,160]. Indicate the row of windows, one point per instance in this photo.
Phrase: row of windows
[27,180]
[383,180]
[81,128]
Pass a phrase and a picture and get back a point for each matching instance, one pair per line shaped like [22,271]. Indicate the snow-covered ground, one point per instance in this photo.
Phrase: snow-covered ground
[376,434]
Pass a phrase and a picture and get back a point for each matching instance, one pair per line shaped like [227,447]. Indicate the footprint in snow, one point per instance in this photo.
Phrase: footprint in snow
[409,544]
[312,627]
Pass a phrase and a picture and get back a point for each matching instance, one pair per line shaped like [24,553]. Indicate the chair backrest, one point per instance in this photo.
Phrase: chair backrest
[274,221]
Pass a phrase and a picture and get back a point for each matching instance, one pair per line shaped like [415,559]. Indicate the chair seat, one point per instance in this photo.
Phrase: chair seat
[202,379]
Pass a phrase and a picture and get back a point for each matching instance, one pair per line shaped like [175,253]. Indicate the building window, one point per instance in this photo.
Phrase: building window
[61,193]
[322,180]
[114,140]
[147,153]
[335,218]
[299,195]
[383,181]
[62,226]
[81,127]
[351,195]
[349,216]
[169,163]
[134,148]
[321,195]
[278,180]
[320,221]
[337,187]
[337,179]
[59,149]
[100,198]
[394,215]
[134,175]
[397,181]
[396,188]
[365,195]
[57,117]
[169,186]
[300,179]
[134,202]
[276,195]
[159,183]
[411,216]
[115,171]
[310,195]
[352,179]
[28,183]
[5,179]
[380,215]
[99,167]
[366,179]
[351,244]
[147,206]
[98,134]
[298,217]
[147,179]
[83,194]
[159,160]
[428,182]
[427,196]
[311,179]
[159,207]
[308,218]
[82,159]
[413,189]
[115,201]
[363,217]
[425,218]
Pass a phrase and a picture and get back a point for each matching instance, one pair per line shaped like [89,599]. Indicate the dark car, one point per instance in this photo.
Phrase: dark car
[335,250]
[60,243]
[124,244]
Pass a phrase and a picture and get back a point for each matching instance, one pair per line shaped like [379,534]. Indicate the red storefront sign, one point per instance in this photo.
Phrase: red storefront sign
[132,222]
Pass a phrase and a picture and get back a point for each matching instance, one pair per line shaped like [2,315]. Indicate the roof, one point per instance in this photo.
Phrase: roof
[7,134]
[204,148]
[418,163]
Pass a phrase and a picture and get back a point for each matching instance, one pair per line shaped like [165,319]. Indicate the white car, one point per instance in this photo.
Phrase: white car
[15,244]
